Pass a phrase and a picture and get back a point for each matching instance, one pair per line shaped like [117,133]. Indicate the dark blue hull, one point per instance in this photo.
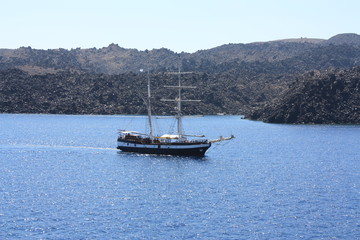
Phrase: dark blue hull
[179,150]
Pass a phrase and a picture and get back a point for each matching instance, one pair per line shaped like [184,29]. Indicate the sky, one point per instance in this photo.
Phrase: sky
[178,25]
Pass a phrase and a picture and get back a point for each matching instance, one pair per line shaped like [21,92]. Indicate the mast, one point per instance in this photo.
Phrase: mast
[179,100]
[178,115]
[149,101]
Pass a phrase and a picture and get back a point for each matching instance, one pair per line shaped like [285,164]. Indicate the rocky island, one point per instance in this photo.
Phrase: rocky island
[299,81]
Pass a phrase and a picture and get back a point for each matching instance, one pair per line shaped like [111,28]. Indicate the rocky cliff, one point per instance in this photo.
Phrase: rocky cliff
[328,97]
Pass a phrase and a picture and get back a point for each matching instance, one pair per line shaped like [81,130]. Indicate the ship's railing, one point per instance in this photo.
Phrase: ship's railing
[147,140]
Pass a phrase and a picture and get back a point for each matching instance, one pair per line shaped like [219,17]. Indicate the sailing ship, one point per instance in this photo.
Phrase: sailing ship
[167,144]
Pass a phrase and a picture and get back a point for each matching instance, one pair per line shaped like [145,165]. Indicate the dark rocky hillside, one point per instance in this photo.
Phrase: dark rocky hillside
[347,38]
[84,93]
[292,54]
[329,97]
[232,79]
[108,60]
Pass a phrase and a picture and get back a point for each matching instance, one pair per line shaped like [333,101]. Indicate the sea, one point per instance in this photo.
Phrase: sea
[61,177]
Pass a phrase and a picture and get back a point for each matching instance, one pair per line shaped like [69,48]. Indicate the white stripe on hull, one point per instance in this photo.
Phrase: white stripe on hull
[163,146]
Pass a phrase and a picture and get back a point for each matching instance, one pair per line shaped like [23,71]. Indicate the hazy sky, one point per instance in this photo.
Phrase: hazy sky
[179,25]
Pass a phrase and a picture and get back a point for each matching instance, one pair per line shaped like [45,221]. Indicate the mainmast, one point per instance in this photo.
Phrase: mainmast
[178,115]
[149,102]
[179,100]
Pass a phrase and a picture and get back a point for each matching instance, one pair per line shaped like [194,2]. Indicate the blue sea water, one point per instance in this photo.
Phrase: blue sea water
[62,178]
